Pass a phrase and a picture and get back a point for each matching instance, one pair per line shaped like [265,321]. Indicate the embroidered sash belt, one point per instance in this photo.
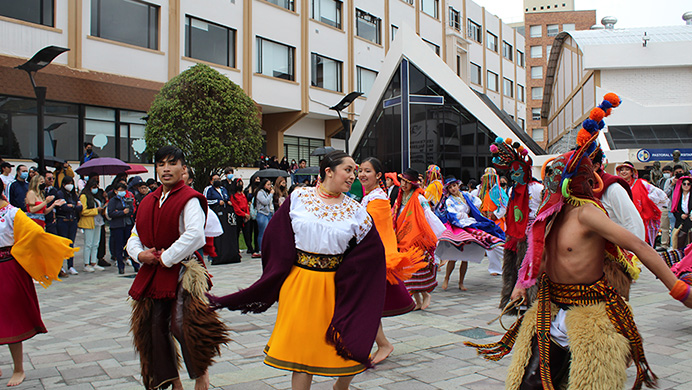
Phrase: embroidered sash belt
[318,262]
[5,254]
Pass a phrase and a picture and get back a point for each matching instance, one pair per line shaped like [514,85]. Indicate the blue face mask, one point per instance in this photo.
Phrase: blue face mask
[229,176]
[94,191]
[122,193]
[24,175]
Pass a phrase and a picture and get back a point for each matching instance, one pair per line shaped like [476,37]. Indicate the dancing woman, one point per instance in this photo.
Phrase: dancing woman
[400,265]
[325,265]
[417,227]
[468,234]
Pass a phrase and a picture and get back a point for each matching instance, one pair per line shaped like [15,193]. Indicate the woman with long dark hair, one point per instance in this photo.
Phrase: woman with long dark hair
[242,212]
[91,220]
[253,247]
[263,202]
[67,216]
[325,265]
[400,265]
[681,208]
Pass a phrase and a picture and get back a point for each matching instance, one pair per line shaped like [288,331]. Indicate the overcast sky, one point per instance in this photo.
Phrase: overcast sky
[630,13]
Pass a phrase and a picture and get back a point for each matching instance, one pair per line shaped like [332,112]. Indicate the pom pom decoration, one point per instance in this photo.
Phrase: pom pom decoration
[608,111]
[583,137]
[516,145]
[605,105]
[508,141]
[589,124]
[524,152]
[496,160]
[493,149]
[613,99]
[597,114]
[499,140]
[520,148]
[601,125]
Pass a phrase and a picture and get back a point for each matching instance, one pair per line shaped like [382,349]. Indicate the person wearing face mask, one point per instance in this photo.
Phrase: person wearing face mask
[19,188]
[280,192]
[91,220]
[37,204]
[67,215]
[226,244]
[242,212]
[227,179]
[120,213]
[89,153]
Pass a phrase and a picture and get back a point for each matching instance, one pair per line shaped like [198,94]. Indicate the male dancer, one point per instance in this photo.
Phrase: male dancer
[169,289]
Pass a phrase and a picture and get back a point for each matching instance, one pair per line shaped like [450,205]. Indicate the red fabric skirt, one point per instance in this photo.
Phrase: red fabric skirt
[20,317]
[397,300]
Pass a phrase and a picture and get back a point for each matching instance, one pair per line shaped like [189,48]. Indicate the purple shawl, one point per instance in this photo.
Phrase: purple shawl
[360,287]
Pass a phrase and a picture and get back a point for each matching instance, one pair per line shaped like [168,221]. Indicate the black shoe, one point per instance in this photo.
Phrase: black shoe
[121,271]
[104,263]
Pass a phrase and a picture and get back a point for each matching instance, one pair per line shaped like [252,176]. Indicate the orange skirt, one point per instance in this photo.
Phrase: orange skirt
[298,342]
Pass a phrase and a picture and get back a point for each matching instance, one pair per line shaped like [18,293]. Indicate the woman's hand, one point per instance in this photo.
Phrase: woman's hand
[50,198]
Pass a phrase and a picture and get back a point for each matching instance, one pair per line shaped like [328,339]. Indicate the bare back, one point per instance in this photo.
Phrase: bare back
[574,253]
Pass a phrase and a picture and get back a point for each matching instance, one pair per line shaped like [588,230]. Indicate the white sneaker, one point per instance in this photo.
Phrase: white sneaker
[88,268]
[97,267]
[128,262]
[73,271]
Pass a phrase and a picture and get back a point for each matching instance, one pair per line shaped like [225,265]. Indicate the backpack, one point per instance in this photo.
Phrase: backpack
[253,210]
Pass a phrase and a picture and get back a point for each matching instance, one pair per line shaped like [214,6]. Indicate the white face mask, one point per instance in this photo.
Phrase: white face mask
[69,187]
[666,175]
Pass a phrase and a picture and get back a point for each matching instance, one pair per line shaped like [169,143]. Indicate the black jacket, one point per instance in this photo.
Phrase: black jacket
[65,211]
[118,218]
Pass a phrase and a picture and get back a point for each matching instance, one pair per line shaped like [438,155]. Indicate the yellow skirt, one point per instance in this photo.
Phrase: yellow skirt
[298,342]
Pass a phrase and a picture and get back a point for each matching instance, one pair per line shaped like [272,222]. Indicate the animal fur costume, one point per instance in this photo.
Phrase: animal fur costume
[514,159]
[600,327]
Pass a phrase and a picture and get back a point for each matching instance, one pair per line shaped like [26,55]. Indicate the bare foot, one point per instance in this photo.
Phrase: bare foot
[427,297]
[494,274]
[382,353]
[462,288]
[17,378]
[445,284]
[202,383]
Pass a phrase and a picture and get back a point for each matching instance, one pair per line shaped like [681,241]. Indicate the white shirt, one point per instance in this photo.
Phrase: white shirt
[7,180]
[622,211]
[191,228]
[377,193]
[685,203]
[535,198]
[326,229]
[657,195]
[457,206]
[7,214]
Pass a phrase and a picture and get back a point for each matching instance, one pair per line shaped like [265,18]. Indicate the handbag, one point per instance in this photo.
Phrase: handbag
[253,210]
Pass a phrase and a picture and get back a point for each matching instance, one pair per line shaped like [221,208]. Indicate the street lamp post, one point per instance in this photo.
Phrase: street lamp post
[345,102]
[39,61]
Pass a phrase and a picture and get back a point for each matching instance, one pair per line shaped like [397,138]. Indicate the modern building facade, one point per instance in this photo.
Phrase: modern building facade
[543,21]
[650,68]
[295,58]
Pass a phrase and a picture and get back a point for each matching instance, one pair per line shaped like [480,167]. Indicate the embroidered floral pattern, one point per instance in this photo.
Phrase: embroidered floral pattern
[315,260]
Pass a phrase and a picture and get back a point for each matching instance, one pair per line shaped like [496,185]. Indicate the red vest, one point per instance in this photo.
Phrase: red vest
[157,227]
[609,179]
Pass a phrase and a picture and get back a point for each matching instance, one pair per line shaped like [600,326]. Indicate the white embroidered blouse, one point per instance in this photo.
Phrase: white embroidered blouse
[377,193]
[7,214]
[326,229]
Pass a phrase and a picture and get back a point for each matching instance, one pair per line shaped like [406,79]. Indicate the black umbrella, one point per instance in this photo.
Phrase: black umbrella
[322,151]
[270,172]
[309,171]
[50,160]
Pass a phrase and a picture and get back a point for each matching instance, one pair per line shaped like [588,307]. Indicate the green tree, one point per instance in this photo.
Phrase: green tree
[209,117]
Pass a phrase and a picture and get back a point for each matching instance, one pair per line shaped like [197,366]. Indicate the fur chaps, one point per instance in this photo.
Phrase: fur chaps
[511,264]
[599,353]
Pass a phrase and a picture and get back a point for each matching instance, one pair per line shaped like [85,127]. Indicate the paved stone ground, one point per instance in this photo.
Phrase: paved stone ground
[88,346]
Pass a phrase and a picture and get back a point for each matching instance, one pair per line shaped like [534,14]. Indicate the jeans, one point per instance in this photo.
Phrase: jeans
[262,222]
[117,245]
[68,229]
[91,245]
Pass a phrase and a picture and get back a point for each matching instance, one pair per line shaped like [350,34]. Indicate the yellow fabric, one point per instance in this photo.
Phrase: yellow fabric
[434,192]
[40,254]
[298,342]
[86,220]
[61,175]
[399,264]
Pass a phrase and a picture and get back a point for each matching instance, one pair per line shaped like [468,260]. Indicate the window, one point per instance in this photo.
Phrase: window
[520,93]
[454,19]
[99,129]
[536,72]
[275,59]
[475,74]
[458,65]
[537,135]
[492,81]
[394,30]
[492,41]
[568,27]
[365,78]
[430,7]
[367,26]
[536,51]
[520,58]
[432,46]
[536,114]
[536,31]
[209,42]
[127,21]
[288,4]
[507,87]
[132,143]
[474,31]
[507,51]
[553,29]
[34,11]
[326,73]
[296,148]
[521,123]
[537,93]
[408,1]
[327,11]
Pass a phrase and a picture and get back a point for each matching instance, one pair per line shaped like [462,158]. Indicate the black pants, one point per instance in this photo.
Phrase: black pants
[559,367]
[246,229]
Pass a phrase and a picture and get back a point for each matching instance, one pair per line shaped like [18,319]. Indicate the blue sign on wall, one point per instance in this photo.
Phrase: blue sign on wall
[647,155]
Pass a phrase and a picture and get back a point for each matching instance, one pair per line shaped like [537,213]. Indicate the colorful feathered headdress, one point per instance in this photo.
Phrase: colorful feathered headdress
[513,157]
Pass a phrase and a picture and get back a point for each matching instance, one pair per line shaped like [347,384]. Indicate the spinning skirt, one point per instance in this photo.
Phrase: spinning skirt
[298,342]
[20,317]
[424,280]
[465,244]
[397,300]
